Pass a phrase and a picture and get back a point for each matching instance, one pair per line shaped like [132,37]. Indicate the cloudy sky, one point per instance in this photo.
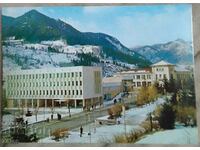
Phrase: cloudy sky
[132,25]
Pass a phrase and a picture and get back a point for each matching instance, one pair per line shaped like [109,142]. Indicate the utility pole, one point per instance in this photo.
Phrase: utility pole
[124,113]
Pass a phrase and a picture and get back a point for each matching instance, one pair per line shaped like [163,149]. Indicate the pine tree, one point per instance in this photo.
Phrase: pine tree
[167,117]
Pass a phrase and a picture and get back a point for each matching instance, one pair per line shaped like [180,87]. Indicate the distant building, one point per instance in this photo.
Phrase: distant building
[80,85]
[157,72]
[112,86]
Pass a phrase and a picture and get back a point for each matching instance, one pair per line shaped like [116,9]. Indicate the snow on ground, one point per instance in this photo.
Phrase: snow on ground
[42,115]
[106,133]
[103,134]
[185,135]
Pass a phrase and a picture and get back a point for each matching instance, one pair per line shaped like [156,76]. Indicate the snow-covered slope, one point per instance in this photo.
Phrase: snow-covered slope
[54,54]
[185,135]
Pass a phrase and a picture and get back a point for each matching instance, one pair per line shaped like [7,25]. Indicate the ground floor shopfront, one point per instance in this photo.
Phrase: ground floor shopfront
[74,103]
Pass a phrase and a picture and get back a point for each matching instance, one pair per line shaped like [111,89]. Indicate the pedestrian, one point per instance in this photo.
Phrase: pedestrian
[81,131]
[26,123]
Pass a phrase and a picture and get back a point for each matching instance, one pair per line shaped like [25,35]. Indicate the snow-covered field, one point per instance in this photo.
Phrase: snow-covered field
[106,133]
[42,115]
[176,136]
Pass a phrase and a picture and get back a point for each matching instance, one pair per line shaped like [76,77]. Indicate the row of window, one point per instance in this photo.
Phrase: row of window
[159,69]
[45,75]
[45,84]
[139,84]
[141,77]
[45,92]
[161,76]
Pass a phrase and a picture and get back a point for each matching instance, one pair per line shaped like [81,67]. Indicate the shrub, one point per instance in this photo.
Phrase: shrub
[115,111]
[59,133]
[185,115]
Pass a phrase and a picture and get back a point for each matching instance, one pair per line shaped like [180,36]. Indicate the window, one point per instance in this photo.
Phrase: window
[72,83]
[65,75]
[43,76]
[47,92]
[65,92]
[57,75]
[80,74]
[43,92]
[72,92]
[61,75]
[76,92]
[69,92]
[76,83]
[138,76]
[80,83]
[138,83]
[68,83]
[72,74]
[57,92]
[68,75]
[65,83]
[61,92]
[143,76]
[81,92]
[57,83]
[50,75]
[76,74]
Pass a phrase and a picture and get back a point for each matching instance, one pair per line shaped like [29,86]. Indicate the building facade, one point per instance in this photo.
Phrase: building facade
[81,86]
[134,79]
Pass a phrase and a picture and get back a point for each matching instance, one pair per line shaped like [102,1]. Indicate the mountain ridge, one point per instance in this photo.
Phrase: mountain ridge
[178,51]
[29,28]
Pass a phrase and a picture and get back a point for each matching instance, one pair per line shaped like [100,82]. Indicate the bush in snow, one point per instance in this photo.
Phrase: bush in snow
[186,115]
[115,111]
[60,133]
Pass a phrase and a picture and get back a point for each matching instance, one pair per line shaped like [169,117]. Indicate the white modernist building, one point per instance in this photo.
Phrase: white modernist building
[81,86]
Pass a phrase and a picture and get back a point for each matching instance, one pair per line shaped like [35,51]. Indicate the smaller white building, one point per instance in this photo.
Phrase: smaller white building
[156,73]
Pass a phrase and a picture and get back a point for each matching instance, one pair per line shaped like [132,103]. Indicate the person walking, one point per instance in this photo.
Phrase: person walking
[81,131]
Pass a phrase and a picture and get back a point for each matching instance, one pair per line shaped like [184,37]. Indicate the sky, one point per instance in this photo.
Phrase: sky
[132,25]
